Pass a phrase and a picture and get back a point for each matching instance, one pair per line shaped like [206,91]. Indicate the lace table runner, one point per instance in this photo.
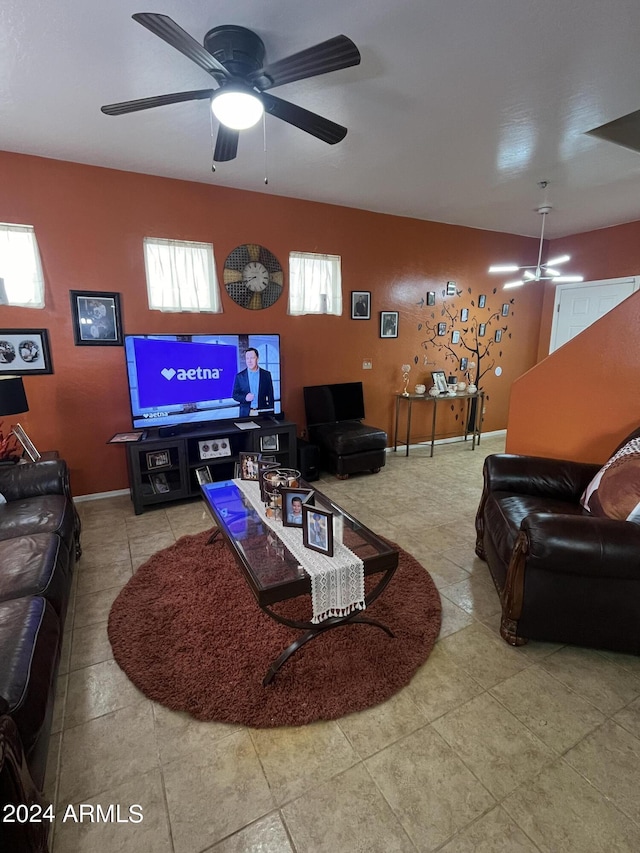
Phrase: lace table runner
[337,583]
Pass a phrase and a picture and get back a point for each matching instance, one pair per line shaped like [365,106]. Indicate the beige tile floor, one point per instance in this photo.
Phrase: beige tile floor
[489,748]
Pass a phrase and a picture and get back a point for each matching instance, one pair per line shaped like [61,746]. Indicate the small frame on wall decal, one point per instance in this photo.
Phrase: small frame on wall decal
[455,337]
[24,351]
[482,330]
[96,318]
[482,300]
[498,336]
[442,329]
[431,298]
[389,324]
[464,363]
[451,288]
[464,315]
[505,309]
[360,305]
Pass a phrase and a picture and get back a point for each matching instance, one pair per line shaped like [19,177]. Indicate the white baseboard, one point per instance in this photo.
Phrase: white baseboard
[454,439]
[96,496]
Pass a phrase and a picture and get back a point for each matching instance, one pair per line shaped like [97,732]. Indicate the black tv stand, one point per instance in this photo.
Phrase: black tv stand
[162,465]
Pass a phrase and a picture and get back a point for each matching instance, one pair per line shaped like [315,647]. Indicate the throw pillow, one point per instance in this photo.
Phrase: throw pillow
[615,490]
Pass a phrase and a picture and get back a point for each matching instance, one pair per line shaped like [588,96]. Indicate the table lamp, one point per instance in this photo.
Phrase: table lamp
[13,401]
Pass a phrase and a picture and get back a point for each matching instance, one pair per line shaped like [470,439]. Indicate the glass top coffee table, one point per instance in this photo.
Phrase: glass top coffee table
[274,574]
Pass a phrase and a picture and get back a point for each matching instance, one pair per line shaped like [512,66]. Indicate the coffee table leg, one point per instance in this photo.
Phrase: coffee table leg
[314,632]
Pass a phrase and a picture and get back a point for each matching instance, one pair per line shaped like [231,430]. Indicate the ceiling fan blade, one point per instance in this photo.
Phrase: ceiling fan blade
[157,101]
[169,31]
[331,55]
[322,128]
[226,144]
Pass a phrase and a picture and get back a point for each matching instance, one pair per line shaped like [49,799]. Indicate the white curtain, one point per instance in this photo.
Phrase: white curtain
[315,284]
[21,279]
[181,276]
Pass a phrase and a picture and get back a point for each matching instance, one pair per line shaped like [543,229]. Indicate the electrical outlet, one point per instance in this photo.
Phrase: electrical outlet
[367,364]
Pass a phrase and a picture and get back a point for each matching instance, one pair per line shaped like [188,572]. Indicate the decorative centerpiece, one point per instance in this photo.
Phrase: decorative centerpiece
[405,375]
[420,389]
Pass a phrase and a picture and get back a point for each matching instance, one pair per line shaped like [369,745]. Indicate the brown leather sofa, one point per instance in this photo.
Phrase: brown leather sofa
[563,575]
[39,545]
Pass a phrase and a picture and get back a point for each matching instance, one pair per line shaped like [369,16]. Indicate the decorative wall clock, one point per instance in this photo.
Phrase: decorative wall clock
[253,277]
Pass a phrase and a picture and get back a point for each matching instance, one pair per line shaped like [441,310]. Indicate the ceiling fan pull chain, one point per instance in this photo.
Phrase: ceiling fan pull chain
[264,138]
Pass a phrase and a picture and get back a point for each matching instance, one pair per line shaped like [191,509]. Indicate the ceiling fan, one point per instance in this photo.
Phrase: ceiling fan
[542,270]
[234,57]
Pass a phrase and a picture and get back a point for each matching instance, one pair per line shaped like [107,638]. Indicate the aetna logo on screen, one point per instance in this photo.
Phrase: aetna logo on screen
[194,373]
[174,373]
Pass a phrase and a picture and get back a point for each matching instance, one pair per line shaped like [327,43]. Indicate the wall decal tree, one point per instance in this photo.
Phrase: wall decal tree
[476,340]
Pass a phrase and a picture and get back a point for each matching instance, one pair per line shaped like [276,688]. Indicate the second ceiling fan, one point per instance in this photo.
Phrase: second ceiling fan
[234,57]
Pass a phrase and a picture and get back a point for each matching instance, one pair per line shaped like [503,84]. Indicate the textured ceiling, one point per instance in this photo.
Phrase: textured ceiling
[455,114]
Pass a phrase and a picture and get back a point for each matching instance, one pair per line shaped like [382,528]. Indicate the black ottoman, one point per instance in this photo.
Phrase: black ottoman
[350,446]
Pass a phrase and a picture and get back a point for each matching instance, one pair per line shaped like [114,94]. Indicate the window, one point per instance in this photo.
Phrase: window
[21,279]
[315,284]
[181,276]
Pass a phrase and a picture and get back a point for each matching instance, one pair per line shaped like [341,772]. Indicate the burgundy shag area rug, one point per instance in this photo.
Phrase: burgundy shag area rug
[188,632]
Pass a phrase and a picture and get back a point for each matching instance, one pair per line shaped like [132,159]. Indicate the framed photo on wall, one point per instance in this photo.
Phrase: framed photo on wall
[431,298]
[482,300]
[24,351]
[482,330]
[389,324]
[455,337]
[96,318]
[464,315]
[442,329]
[451,288]
[360,305]
[505,309]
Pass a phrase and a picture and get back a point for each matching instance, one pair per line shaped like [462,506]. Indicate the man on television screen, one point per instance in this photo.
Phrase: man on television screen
[253,387]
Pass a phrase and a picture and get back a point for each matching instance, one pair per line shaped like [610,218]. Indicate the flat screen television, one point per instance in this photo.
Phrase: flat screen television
[189,379]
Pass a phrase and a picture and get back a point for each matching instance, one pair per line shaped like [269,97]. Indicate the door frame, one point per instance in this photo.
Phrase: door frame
[561,288]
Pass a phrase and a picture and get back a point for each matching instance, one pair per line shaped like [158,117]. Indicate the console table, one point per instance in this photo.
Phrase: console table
[410,399]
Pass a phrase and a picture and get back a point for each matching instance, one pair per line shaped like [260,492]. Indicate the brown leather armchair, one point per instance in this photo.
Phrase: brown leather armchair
[563,575]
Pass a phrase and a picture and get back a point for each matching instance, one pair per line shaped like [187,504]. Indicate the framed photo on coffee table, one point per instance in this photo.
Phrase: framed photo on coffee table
[292,502]
[317,529]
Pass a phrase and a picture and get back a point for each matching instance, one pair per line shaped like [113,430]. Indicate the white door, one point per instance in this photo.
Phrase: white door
[577,306]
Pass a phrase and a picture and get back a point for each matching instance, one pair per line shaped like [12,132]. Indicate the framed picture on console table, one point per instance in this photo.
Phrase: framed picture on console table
[317,529]
[24,351]
[158,459]
[96,318]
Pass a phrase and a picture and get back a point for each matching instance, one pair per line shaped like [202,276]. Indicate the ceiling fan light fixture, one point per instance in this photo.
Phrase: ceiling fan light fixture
[504,268]
[237,108]
[544,270]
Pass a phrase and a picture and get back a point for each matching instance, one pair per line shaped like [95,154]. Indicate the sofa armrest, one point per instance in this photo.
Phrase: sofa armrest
[582,545]
[537,475]
[34,479]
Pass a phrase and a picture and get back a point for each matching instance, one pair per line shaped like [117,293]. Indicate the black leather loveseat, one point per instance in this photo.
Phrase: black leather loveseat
[39,545]
[564,574]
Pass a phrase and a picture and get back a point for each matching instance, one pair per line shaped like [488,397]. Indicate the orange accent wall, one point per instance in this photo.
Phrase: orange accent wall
[90,223]
[583,399]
